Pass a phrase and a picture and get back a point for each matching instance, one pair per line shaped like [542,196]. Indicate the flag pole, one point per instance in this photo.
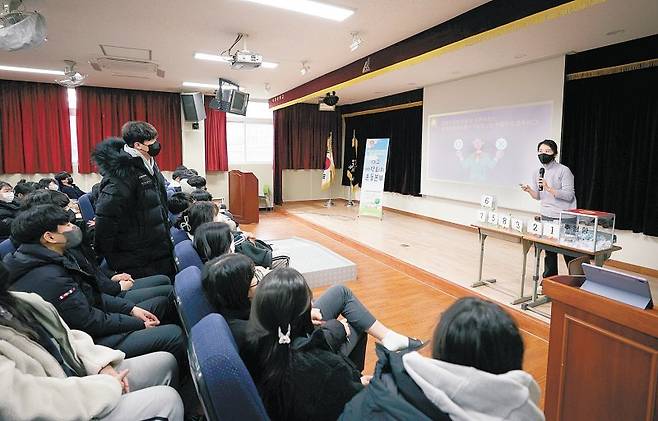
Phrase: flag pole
[355,143]
[330,202]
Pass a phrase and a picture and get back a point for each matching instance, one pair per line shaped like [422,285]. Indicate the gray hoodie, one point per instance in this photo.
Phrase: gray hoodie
[468,394]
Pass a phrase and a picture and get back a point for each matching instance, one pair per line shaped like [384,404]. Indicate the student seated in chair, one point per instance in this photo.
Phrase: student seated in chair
[474,373]
[48,371]
[9,207]
[67,186]
[176,204]
[23,188]
[299,373]
[109,282]
[43,265]
[231,281]
[199,195]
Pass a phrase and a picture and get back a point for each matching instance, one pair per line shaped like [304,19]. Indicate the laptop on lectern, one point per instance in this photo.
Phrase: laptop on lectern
[618,286]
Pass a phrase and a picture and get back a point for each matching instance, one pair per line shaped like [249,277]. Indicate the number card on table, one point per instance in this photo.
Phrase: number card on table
[493,218]
[482,215]
[487,201]
[517,225]
[551,230]
[504,221]
[535,227]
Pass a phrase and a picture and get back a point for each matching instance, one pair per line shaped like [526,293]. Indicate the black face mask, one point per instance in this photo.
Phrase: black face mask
[154,148]
[545,158]
[73,237]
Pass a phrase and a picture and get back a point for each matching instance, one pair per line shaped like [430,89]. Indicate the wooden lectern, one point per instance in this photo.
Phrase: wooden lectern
[602,356]
[243,196]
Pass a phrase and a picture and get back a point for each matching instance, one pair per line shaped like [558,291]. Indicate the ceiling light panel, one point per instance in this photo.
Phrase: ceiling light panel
[31,70]
[309,7]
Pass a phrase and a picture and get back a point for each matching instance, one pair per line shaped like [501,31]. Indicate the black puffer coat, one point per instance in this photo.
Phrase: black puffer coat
[132,227]
[75,293]
[8,212]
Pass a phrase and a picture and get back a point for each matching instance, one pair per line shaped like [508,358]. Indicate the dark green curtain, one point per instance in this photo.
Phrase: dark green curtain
[610,142]
[404,129]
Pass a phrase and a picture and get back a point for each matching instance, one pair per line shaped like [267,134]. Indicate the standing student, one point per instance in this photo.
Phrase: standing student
[132,224]
[555,191]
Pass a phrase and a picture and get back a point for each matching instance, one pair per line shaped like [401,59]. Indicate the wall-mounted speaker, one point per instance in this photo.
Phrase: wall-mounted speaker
[193,109]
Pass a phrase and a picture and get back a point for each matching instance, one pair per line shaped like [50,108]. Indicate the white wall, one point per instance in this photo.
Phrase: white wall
[529,83]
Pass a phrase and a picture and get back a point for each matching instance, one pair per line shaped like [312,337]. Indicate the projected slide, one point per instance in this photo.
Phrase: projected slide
[494,146]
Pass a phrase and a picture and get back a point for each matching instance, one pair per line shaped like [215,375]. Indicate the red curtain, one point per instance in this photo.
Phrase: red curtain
[35,128]
[215,125]
[102,111]
[300,140]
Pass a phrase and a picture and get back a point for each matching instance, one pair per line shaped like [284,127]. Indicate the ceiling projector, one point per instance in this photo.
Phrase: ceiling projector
[245,60]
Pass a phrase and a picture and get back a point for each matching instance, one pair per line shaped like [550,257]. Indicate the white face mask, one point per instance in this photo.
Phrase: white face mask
[52,186]
[7,197]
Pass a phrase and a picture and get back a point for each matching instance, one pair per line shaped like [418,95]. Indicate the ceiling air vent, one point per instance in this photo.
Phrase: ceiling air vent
[125,67]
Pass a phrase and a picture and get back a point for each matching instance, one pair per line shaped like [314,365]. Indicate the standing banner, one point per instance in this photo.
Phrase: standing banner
[372,181]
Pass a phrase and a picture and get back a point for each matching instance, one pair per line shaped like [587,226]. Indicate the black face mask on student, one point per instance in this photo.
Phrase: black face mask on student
[154,148]
[545,158]
[73,237]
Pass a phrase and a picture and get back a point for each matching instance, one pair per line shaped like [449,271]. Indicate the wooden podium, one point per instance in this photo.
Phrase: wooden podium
[243,196]
[602,356]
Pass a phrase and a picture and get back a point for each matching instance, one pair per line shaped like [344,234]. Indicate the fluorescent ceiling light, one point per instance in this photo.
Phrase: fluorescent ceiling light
[200,85]
[309,7]
[31,70]
[226,59]
[211,57]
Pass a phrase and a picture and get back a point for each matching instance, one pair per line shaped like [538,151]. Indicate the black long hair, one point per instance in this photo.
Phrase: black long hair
[282,302]
[226,281]
[197,214]
[478,333]
[212,239]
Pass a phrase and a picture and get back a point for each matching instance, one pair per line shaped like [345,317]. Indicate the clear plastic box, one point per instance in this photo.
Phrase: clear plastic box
[588,230]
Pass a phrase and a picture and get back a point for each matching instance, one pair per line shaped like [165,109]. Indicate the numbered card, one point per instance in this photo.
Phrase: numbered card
[517,225]
[487,201]
[482,216]
[535,227]
[551,230]
[493,218]
[504,221]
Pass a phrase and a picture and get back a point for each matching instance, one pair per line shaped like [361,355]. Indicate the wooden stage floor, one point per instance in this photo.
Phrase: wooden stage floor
[403,295]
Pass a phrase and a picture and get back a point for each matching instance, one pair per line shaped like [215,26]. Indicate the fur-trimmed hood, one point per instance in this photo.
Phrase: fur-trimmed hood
[112,160]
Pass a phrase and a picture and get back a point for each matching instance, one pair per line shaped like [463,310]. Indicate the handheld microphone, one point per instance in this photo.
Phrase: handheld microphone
[541,175]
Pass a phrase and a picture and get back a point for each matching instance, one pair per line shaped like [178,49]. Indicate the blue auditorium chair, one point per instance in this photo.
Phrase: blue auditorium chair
[177,235]
[223,383]
[6,247]
[186,255]
[190,299]
[86,209]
